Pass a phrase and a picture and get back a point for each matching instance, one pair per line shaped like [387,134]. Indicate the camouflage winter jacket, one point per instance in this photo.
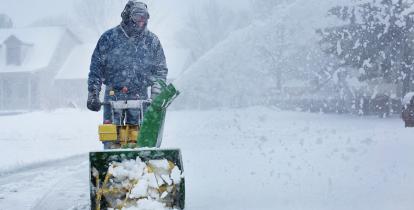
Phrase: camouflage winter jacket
[122,61]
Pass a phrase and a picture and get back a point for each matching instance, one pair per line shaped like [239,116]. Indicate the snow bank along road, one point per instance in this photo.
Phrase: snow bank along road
[255,158]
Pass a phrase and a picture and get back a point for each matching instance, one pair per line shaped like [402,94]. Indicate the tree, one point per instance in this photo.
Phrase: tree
[59,20]
[264,8]
[100,15]
[5,21]
[376,38]
[275,48]
[206,26]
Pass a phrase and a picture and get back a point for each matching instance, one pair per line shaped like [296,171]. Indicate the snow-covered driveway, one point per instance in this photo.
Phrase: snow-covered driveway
[51,185]
[252,159]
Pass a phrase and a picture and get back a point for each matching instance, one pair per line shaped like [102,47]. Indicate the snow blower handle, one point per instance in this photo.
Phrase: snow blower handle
[126,104]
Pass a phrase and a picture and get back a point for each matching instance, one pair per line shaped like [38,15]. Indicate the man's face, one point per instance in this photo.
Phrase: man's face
[139,19]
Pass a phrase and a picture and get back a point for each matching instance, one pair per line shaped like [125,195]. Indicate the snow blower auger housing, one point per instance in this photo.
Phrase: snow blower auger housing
[137,173]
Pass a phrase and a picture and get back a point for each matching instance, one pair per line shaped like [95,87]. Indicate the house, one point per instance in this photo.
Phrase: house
[29,60]
[70,84]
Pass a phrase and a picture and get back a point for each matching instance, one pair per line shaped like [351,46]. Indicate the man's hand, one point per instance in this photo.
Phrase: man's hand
[93,103]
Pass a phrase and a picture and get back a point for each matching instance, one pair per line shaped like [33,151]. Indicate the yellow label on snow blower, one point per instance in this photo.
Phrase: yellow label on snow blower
[128,134]
[108,132]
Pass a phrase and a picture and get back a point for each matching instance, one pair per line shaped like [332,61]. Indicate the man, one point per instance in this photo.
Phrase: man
[128,59]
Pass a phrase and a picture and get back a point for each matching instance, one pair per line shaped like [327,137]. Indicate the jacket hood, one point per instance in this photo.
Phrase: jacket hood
[131,28]
[134,6]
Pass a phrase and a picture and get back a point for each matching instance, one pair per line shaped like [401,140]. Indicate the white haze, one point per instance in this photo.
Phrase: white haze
[168,17]
[266,119]
[221,53]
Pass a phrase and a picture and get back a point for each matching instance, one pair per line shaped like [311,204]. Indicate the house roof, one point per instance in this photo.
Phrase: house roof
[43,43]
[77,64]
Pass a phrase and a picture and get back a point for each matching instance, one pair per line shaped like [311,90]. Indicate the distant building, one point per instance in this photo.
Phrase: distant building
[30,58]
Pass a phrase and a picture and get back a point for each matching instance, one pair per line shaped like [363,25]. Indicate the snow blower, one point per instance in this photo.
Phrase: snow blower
[135,173]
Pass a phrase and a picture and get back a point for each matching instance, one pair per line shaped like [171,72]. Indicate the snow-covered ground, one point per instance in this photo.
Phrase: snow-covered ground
[255,158]
[41,136]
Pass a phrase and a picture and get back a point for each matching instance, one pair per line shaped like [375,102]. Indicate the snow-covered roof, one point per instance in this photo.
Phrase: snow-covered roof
[78,62]
[42,41]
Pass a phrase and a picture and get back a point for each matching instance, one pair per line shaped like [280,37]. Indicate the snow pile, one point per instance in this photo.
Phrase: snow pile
[148,204]
[138,185]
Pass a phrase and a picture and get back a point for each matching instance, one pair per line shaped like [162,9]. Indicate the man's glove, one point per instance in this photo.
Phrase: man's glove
[93,103]
[155,90]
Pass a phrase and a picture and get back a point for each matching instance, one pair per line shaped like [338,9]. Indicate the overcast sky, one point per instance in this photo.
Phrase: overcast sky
[24,12]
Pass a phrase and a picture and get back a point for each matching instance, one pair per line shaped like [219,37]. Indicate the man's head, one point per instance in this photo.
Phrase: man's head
[135,15]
